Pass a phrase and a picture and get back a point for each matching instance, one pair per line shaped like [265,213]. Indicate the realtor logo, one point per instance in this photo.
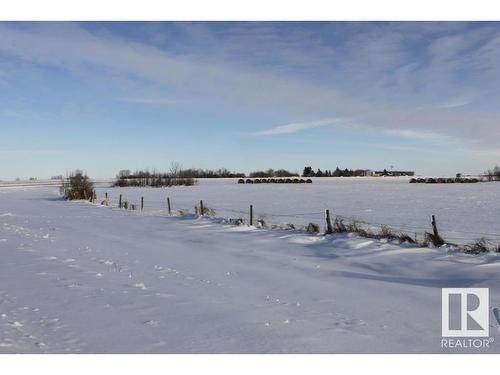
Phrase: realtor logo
[465,312]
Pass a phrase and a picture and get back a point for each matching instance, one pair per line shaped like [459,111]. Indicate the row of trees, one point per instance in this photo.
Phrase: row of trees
[309,172]
[273,173]
[194,173]
[174,177]
[207,173]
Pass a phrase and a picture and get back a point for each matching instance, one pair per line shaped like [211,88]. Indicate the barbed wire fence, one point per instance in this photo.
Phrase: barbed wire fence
[300,221]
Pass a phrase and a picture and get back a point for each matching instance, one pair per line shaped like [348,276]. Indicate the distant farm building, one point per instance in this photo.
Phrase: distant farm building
[363,172]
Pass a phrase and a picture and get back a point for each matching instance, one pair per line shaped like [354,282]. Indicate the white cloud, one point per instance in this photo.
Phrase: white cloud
[297,126]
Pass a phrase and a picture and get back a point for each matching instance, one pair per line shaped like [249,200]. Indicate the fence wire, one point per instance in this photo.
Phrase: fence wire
[451,235]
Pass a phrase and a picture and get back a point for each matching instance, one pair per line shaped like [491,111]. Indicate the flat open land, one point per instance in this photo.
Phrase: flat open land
[82,278]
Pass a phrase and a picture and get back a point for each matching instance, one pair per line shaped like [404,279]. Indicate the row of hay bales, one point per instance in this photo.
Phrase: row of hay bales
[442,180]
[274,181]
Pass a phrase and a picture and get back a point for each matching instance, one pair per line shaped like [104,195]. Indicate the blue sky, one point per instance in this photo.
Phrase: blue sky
[245,96]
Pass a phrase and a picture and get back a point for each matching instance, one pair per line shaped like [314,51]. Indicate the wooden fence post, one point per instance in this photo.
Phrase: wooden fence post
[142,203]
[120,202]
[329,227]
[106,198]
[94,197]
[168,204]
[434,227]
[202,211]
[251,214]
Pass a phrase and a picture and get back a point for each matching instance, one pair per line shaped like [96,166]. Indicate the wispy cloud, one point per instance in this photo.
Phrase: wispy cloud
[377,73]
[460,102]
[297,127]
[150,101]
[425,135]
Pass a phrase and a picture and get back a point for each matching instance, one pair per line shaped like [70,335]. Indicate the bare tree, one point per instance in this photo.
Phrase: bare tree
[175,169]
[493,174]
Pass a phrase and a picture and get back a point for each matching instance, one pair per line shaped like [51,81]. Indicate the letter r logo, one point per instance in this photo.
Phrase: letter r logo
[464,312]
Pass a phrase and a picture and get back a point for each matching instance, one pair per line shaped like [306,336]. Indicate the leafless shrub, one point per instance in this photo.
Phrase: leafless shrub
[77,186]
[261,222]
[386,232]
[431,238]
[339,226]
[478,247]
[355,227]
[207,211]
[403,237]
[312,228]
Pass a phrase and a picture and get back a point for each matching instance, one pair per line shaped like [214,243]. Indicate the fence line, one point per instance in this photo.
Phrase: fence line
[247,216]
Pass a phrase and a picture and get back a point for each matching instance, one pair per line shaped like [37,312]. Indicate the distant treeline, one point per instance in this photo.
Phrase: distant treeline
[207,173]
[309,172]
[154,179]
[273,173]
[224,173]
[179,176]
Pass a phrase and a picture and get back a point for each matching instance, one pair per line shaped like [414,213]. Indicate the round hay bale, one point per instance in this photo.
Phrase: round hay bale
[309,181]
[288,181]
[295,180]
[420,180]
[430,181]
[450,180]
[249,181]
[264,181]
[272,181]
[441,180]
[474,180]
[302,181]
[413,180]
[241,181]
[280,181]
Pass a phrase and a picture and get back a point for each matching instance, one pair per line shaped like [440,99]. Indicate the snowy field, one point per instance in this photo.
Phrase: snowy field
[464,212]
[83,278]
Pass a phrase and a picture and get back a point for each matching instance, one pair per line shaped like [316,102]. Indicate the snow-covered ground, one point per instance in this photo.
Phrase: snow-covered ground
[464,212]
[77,277]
